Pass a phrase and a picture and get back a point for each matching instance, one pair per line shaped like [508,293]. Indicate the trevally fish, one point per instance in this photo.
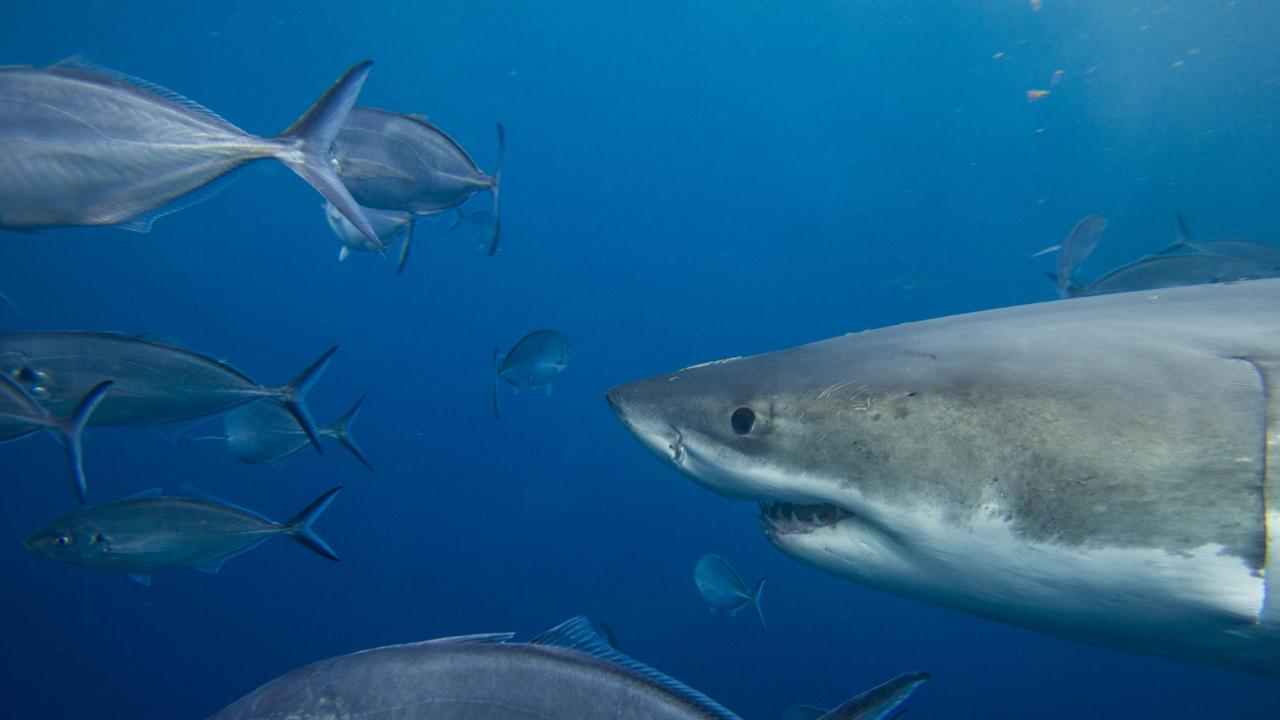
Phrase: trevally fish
[1155,272]
[882,701]
[1097,469]
[1072,251]
[148,533]
[566,673]
[264,432]
[83,145]
[532,362]
[21,415]
[1264,254]
[155,383]
[387,224]
[400,162]
[724,589]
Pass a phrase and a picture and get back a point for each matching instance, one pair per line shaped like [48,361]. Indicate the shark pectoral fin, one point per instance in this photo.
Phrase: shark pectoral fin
[141,578]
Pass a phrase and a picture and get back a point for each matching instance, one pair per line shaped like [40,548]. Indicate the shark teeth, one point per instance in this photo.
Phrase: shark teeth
[780,518]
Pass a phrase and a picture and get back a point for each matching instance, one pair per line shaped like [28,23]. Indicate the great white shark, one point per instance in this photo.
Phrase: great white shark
[1105,469]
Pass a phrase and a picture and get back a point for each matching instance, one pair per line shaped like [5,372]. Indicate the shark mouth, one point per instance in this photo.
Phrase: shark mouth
[782,518]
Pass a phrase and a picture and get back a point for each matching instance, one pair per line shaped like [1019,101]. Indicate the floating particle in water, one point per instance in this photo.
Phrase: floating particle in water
[1092,69]
[1058,75]
[1034,95]
[998,56]
[1036,5]
[1193,51]
[1039,131]
[1178,63]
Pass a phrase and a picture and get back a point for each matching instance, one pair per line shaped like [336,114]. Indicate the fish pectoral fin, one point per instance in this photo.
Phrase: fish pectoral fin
[343,253]
[141,578]
[212,568]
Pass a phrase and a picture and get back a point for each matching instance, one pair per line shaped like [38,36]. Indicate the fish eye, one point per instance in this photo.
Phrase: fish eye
[63,540]
[742,420]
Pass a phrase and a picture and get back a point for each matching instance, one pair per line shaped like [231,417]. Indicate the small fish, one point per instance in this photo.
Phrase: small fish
[264,432]
[388,224]
[148,533]
[480,226]
[875,704]
[567,673]
[1079,243]
[400,162]
[724,589]
[83,145]
[1034,95]
[21,415]
[532,362]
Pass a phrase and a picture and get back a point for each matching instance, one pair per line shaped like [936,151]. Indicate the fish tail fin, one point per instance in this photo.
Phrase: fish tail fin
[497,185]
[71,429]
[755,600]
[340,431]
[458,217]
[299,526]
[293,395]
[497,411]
[313,134]
[406,244]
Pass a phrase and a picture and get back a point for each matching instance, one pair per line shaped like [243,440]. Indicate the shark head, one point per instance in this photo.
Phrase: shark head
[998,464]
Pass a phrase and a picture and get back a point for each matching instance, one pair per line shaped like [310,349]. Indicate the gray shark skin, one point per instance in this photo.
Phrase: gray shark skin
[1099,469]
[566,673]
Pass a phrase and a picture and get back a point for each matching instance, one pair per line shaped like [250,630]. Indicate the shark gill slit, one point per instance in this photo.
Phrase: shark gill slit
[1270,612]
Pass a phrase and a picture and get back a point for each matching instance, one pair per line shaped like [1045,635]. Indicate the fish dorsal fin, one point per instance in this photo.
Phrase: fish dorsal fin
[148,494]
[81,64]
[578,634]
[189,490]
[498,637]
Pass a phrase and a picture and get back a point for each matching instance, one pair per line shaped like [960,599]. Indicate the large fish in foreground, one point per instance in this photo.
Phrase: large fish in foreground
[83,145]
[1106,470]
[148,533]
[566,673]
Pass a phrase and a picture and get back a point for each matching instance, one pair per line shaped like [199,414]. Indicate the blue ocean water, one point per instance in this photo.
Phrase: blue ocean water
[683,181]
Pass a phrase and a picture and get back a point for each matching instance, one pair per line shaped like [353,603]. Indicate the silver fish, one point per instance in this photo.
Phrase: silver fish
[1154,272]
[148,533]
[532,362]
[388,224]
[264,432]
[723,588]
[566,673]
[21,415]
[1072,251]
[1099,469]
[1247,250]
[155,383]
[400,162]
[82,145]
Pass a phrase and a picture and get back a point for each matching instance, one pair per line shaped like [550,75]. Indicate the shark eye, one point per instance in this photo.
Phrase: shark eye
[63,540]
[743,419]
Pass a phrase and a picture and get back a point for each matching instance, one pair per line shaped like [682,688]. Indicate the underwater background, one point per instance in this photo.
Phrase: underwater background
[684,181]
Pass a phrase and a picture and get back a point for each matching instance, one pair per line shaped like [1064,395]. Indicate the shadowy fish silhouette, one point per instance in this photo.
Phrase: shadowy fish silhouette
[387,224]
[532,362]
[83,145]
[567,673]
[400,162]
[147,533]
[875,704]
[724,589]
[265,433]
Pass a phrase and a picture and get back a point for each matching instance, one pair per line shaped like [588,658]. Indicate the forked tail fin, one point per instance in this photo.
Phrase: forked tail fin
[340,431]
[299,526]
[314,133]
[292,395]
